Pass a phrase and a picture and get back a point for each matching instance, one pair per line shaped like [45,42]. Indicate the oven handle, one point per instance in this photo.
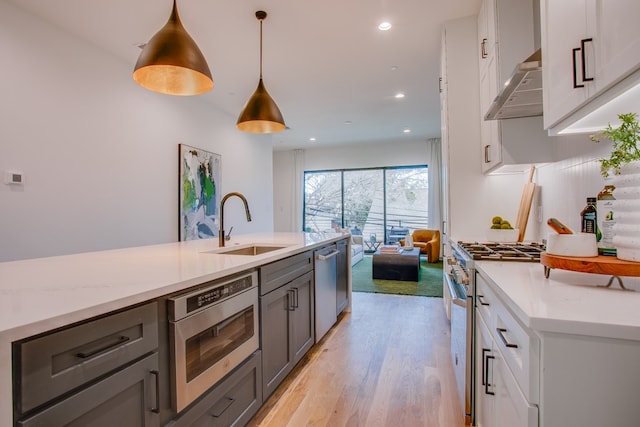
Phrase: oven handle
[462,302]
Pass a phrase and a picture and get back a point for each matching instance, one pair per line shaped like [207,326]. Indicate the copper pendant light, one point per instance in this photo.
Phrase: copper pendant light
[171,63]
[261,114]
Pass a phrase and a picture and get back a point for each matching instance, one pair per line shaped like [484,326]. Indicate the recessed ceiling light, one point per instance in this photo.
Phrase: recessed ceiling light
[384,26]
[407,130]
[399,95]
[312,139]
[394,67]
[347,122]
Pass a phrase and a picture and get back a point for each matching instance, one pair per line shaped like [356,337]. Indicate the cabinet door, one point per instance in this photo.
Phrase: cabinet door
[490,137]
[127,396]
[277,359]
[486,34]
[511,407]
[563,25]
[484,377]
[302,317]
[618,40]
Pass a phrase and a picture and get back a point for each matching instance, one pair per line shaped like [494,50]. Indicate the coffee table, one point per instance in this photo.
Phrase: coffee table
[403,266]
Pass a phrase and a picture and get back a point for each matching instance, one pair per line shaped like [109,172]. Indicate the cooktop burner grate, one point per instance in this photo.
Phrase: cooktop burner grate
[527,252]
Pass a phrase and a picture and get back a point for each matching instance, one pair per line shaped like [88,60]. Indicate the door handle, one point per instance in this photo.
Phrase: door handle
[483,48]
[486,154]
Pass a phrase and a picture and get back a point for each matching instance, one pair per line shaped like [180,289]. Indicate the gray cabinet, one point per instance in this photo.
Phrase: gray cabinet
[342,273]
[286,316]
[91,373]
[232,402]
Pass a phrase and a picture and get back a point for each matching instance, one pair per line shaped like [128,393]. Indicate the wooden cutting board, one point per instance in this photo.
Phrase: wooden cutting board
[525,205]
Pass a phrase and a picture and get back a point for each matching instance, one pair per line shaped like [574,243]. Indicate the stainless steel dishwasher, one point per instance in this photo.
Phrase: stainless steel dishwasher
[325,288]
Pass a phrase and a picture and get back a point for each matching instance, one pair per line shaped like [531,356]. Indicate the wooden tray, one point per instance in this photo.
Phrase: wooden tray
[598,265]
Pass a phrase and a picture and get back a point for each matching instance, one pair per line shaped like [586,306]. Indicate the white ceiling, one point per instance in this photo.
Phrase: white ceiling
[325,62]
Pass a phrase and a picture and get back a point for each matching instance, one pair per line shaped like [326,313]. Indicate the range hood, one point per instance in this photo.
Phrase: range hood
[522,93]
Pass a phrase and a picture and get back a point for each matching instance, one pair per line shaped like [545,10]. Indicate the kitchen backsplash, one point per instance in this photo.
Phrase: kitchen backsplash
[563,186]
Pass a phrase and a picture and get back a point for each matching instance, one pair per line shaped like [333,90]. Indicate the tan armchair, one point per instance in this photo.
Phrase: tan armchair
[429,243]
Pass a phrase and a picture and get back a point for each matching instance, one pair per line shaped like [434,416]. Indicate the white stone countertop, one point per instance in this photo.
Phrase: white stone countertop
[568,301]
[41,294]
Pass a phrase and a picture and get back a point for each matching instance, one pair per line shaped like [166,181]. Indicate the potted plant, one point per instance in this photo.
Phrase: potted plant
[625,140]
[624,161]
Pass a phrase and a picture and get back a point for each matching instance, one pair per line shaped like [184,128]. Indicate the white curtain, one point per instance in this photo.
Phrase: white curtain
[434,209]
[297,192]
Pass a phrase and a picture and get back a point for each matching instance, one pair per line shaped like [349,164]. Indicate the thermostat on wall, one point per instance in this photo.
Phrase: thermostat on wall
[12,177]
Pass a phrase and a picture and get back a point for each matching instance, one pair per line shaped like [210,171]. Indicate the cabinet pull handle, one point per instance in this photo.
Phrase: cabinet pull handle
[290,306]
[486,376]
[87,354]
[481,301]
[328,256]
[501,331]
[575,68]
[484,372]
[156,374]
[486,154]
[440,84]
[295,298]
[222,406]
[483,48]
[583,57]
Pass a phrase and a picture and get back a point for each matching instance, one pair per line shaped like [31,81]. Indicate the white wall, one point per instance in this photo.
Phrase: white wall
[336,157]
[99,153]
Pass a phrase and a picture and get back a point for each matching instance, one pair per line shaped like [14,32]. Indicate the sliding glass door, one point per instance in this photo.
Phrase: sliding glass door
[380,203]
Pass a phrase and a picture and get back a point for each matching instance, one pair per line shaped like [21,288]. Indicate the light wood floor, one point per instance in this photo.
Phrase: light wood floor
[385,364]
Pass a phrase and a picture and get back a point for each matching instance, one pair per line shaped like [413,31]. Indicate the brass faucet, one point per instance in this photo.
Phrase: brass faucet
[221,236]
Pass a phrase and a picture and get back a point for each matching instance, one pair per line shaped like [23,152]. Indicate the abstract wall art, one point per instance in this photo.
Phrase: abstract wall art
[199,193]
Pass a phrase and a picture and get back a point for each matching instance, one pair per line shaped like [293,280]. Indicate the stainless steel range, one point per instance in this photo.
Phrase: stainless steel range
[459,296]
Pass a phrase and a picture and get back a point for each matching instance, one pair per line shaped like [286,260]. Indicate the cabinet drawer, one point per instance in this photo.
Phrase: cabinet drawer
[511,407]
[486,301]
[54,364]
[129,396]
[520,350]
[276,274]
[233,402]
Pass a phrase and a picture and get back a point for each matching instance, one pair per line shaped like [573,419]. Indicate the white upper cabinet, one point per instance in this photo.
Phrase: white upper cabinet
[505,39]
[588,47]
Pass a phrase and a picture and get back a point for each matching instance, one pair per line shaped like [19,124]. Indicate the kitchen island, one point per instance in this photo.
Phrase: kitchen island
[40,295]
[562,350]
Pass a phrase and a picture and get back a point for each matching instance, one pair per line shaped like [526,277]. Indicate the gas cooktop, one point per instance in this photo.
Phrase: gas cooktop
[528,252]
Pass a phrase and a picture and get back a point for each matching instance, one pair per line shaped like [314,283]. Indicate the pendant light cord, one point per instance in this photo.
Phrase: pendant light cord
[261,48]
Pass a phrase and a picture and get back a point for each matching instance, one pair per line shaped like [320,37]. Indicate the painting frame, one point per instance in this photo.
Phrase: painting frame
[199,193]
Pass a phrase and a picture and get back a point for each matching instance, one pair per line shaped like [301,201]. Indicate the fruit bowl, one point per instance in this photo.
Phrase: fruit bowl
[503,235]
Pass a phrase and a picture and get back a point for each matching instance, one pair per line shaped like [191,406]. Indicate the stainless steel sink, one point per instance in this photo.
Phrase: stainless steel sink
[249,250]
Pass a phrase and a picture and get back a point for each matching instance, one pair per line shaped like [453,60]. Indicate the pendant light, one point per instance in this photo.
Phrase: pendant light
[261,114]
[171,63]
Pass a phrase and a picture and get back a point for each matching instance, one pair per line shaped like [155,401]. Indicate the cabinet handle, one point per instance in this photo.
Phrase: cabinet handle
[156,374]
[295,296]
[486,375]
[483,48]
[290,306]
[481,301]
[583,57]
[85,355]
[501,331]
[486,154]
[484,371]
[440,84]
[575,68]
[222,406]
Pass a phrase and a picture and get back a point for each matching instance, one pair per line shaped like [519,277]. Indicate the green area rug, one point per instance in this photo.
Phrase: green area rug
[430,284]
